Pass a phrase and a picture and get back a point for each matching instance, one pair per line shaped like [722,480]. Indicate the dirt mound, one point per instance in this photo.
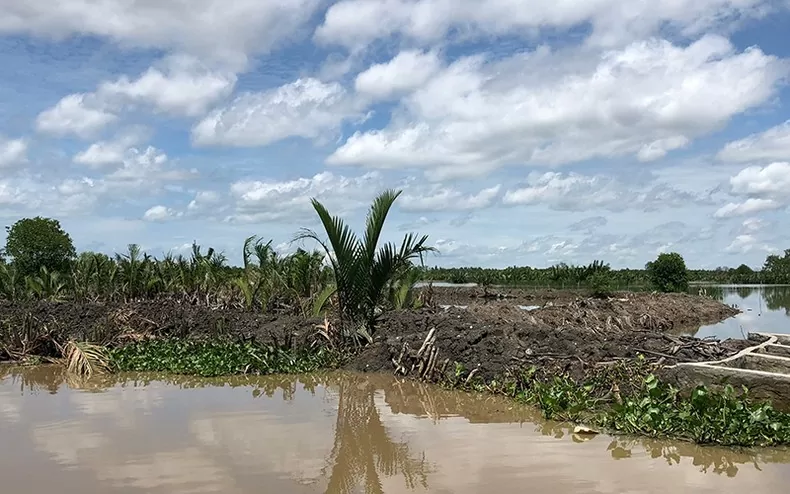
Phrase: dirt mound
[567,336]
[100,322]
[567,333]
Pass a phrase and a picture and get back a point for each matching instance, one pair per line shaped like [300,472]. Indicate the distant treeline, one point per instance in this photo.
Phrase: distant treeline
[775,270]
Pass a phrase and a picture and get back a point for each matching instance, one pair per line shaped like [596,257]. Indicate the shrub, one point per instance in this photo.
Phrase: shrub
[668,273]
[600,284]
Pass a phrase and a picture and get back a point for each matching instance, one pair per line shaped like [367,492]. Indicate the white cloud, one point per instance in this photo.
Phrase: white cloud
[749,206]
[143,168]
[441,198]
[306,108]
[767,188]
[769,145]
[257,200]
[204,199]
[78,114]
[208,28]
[181,85]
[159,213]
[111,152]
[406,72]
[357,23]
[178,85]
[746,243]
[552,108]
[768,181]
[576,192]
[12,152]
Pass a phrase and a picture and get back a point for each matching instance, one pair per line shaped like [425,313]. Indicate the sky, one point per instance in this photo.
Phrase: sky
[520,133]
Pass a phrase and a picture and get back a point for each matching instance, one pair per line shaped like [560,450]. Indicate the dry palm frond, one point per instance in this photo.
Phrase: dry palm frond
[85,359]
[327,331]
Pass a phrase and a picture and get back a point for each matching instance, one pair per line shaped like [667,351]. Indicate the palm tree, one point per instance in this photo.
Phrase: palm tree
[363,271]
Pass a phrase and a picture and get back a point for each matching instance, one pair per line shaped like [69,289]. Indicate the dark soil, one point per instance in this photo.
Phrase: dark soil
[569,333]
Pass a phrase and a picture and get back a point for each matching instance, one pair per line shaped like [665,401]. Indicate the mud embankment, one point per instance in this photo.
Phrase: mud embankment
[567,333]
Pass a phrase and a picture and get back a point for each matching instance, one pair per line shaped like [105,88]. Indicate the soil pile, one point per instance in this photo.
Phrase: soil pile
[564,336]
[568,333]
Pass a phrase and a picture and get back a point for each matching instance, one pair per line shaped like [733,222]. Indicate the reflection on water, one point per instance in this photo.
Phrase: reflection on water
[765,308]
[333,433]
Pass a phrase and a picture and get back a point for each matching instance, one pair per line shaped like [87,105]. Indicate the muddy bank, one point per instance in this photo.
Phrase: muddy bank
[117,323]
[567,334]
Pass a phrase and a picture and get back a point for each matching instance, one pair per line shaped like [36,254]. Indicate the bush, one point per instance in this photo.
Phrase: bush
[600,284]
[33,243]
[668,273]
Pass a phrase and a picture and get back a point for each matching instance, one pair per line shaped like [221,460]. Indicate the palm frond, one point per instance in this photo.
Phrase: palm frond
[85,359]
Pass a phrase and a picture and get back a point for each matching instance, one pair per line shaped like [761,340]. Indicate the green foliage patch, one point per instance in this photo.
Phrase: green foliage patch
[668,273]
[218,358]
[649,407]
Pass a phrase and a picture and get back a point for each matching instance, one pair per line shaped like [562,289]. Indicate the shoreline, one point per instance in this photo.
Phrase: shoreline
[579,359]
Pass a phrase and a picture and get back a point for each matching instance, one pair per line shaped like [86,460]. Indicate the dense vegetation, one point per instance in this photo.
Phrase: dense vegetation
[360,277]
[775,270]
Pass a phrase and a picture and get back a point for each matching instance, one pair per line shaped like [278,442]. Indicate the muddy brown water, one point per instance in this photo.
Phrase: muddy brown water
[331,433]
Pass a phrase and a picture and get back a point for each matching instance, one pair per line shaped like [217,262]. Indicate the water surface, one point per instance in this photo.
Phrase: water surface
[764,308]
[335,433]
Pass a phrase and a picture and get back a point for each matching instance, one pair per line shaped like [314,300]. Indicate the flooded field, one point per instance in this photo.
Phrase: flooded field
[335,433]
[764,308]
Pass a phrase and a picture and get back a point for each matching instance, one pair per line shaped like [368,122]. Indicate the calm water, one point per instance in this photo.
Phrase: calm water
[333,434]
[765,308]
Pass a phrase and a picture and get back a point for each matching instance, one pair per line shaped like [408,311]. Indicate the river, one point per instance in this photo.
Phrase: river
[331,433]
[764,308]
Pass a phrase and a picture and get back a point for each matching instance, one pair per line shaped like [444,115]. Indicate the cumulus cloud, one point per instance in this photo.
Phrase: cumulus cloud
[177,85]
[766,188]
[262,200]
[159,213]
[769,145]
[550,108]
[82,115]
[12,152]
[407,71]
[306,108]
[180,85]
[745,243]
[205,28]
[357,23]
[110,152]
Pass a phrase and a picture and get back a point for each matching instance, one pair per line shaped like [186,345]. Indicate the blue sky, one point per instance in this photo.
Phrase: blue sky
[564,131]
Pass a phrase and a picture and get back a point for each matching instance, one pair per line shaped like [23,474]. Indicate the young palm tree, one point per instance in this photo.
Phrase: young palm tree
[363,271]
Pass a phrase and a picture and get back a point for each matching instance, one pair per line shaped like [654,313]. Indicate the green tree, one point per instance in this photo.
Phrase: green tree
[363,271]
[668,273]
[33,243]
[777,268]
